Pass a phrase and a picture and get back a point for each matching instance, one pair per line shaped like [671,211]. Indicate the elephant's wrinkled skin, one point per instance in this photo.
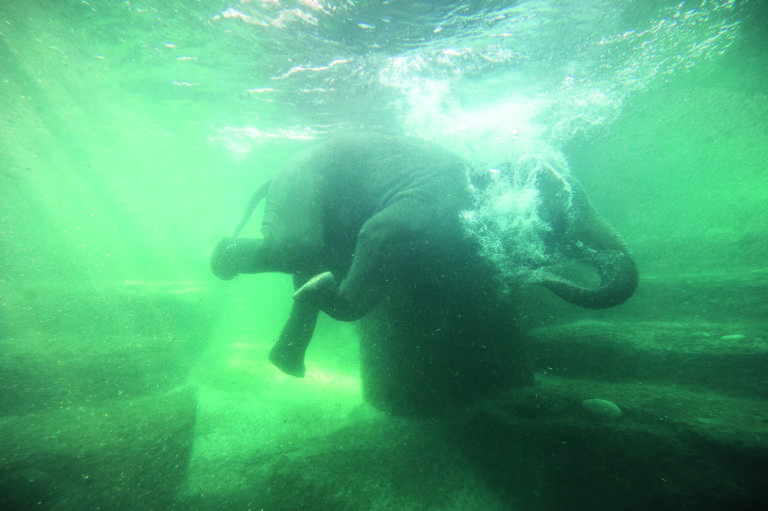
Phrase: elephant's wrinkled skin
[358,213]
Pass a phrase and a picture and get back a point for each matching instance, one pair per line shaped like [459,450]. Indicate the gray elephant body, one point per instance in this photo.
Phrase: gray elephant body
[360,206]
[361,217]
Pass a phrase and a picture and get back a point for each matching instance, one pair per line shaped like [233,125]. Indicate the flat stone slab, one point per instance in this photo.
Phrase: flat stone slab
[534,448]
[727,357]
[122,454]
[672,448]
[61,346]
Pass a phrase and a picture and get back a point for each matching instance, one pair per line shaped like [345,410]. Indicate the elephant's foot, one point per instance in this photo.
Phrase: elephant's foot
[289,358]
[322,291]
[233,256]
[288,352]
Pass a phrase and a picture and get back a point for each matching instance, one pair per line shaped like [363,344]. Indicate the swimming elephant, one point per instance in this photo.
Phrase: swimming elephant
[358,214]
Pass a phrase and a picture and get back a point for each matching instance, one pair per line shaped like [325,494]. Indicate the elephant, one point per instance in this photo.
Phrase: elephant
[359,214]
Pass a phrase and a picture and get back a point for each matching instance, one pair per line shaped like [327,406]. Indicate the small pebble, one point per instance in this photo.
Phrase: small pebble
[602,409]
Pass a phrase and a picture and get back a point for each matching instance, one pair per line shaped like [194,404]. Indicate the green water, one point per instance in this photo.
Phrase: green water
[132,135]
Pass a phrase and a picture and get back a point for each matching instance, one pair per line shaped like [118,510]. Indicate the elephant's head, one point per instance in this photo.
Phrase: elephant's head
[580,234]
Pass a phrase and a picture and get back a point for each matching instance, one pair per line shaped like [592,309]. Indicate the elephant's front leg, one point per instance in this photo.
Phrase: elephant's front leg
[233,256]
[388,241]
[288,352]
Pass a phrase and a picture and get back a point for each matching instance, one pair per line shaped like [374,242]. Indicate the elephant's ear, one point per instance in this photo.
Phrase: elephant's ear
[585,237]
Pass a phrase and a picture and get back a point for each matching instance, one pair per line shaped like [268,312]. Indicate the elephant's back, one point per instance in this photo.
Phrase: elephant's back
[378,168]
[325,194]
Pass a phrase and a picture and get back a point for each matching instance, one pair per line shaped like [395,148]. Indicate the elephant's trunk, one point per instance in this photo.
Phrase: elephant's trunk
[618,281]
[588,238]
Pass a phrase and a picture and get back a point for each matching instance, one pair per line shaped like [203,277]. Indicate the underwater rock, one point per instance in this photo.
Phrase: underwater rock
[602,409]
[733,337]
[114,454]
